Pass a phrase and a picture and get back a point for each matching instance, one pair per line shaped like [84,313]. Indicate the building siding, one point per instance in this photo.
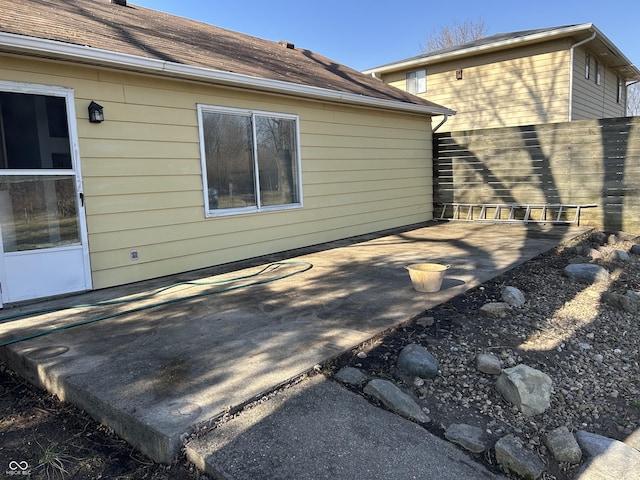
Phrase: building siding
[514,87]
[363,170]
[591,100]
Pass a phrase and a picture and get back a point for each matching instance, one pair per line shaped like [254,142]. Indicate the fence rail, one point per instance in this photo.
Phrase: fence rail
[581,162]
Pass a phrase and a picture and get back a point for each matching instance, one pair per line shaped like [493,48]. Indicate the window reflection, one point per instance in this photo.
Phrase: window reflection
[38,212]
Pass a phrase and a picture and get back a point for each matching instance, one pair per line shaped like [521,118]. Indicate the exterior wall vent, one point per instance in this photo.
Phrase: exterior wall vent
[286,44]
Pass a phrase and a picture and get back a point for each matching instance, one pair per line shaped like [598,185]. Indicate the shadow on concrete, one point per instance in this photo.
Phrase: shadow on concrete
[156,373]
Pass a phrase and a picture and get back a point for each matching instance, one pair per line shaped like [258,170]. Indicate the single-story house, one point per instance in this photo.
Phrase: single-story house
[136,144]
[530,77]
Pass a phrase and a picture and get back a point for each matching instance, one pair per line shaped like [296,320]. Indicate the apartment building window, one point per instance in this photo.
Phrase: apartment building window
[619,91]
[597,72]
[417,81]
[587,66]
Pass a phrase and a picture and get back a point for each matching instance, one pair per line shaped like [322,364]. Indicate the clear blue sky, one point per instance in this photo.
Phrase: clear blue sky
[367,33]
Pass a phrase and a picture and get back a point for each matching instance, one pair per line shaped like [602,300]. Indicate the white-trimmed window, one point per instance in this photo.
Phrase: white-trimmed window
[598,78]
[250,160]
[417,81]
[619,90]
[587,66]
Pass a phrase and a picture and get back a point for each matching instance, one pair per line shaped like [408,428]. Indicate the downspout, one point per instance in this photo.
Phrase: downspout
[571,66]
[446,117]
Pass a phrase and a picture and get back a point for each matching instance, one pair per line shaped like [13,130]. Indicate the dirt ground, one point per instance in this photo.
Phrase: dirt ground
[588,348]
[43,438]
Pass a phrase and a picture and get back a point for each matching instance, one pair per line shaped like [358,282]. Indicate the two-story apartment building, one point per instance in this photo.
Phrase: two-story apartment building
[536,76]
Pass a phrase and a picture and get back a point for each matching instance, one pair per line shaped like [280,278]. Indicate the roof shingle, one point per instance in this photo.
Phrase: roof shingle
[151,34]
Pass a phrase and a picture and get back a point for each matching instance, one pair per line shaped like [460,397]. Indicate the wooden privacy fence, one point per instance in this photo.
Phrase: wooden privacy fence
[586,162]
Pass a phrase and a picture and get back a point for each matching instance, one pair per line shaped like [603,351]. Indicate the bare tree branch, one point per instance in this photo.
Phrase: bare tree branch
[633,100]
[454,34]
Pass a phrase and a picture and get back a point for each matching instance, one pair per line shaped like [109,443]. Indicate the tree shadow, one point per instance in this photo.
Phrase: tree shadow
[177,365]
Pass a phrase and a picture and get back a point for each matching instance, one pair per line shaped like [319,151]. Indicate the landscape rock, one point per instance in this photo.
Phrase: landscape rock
[626,236]
[633,295]
[526,388]
[511,456]
[594,254]
[607,458]
[620,256]
[514,297]
[351,376]
[496,309]
[425,321]
[621,302]
[395,399]
[467,436]
[488,363]
[563,446]
[586,273]
[600,238]
[416,360]
[635,249]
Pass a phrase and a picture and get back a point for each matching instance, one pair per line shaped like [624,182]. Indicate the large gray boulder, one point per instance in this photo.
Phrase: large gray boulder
[620,302]
[526,388]
[513,457]
[496,309]
[467,436]
[607,458]
[351,376]
[514,297]
[620,256]
[586,273]
[395,399]
[488,363]
[563,445]
[416,360]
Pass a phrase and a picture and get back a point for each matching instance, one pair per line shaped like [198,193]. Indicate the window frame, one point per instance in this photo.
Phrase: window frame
[258,208]
[619,90]
[587,66]
[419,82]
[597,72]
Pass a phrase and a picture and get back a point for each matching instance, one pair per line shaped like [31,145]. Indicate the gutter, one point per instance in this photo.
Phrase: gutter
[12,43]
[571,66]
[444,120]
[429,59]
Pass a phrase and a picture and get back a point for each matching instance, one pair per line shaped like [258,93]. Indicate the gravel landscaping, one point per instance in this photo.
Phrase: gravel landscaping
[584,336]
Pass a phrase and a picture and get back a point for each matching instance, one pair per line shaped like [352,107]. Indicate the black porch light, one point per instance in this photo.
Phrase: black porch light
[96,115]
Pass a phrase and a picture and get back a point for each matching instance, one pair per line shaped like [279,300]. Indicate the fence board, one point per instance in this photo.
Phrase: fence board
[587,161]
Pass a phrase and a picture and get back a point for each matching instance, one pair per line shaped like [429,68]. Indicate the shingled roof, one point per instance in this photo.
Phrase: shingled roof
[100,25]
[599,44]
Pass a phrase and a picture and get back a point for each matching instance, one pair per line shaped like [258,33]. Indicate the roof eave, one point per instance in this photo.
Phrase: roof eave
[466,52]
[616,51]
[39,47]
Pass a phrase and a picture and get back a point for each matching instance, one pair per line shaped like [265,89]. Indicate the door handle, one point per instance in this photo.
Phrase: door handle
[81,199]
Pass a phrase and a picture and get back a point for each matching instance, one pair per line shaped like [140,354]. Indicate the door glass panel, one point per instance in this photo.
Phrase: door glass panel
[38,212]
[34,132]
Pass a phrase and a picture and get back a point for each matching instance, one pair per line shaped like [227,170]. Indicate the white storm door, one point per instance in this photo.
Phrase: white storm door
[43,251]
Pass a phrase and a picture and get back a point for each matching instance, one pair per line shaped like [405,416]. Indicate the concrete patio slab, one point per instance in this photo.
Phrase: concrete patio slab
[320,430]
[154,372]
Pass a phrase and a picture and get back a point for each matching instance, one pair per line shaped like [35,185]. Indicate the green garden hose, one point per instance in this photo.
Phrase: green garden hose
[307,266]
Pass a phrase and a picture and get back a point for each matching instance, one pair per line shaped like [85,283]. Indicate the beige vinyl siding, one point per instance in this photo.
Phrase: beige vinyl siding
[363,170]
[591,100]
[515,87]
